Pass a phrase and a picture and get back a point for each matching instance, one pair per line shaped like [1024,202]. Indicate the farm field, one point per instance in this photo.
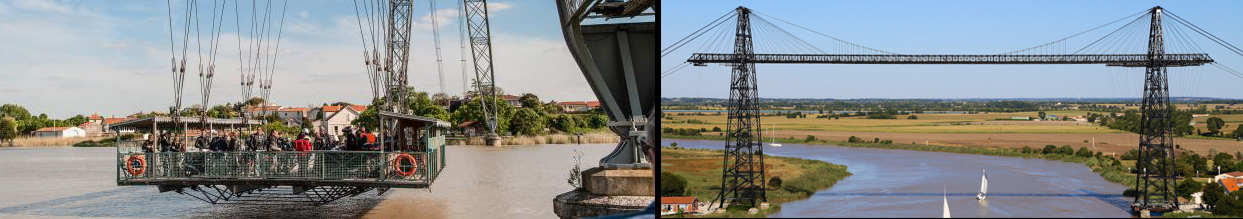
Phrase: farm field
[936,129]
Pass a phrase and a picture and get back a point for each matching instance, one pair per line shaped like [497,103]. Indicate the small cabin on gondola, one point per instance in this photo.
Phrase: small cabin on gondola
[411,159]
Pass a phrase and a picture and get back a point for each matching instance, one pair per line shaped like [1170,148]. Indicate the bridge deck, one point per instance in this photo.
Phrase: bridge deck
[1129,60]
[281,168]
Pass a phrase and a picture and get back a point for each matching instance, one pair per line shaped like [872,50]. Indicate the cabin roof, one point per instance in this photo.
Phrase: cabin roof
[415,118]
[677,200]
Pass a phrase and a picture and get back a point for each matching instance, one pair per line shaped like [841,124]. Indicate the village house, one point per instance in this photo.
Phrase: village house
[254,112]
[672,205]
[578,106]
[59,132]
[512,100]
[291,115]
[1198,115]
[337,118]
[1080,118]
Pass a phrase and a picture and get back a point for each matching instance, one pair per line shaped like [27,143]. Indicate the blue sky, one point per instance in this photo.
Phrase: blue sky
[68,57]
[952,27]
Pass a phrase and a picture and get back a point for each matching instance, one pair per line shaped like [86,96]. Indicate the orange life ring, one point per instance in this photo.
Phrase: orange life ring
[403,172]
[129,165]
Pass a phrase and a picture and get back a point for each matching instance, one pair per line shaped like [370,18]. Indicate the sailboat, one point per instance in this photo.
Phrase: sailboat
[773,130]
[945,213]
[983,187]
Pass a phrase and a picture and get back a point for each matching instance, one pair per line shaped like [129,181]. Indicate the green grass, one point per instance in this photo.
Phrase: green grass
[802,177]
[1200,214]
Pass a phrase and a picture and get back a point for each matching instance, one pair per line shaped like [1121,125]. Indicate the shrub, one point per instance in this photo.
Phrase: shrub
[675,144]
[1048,149]
[1027,149]
[1084,152]
[1129,192]
[1188,186]
[1116,163]
[671,185]
[716,129]
[876,140]
[912,117]
[775,182]
[810,138]
[1066,150]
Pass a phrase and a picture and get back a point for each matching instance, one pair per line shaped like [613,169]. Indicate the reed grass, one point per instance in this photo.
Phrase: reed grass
[588,138]
[50,142]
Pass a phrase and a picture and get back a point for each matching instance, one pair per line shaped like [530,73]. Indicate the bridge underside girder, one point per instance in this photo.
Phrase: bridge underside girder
[1126,60]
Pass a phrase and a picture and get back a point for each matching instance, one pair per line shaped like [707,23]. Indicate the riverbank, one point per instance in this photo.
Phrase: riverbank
[701,169]
[1107,167]
[50,142]
[586,138]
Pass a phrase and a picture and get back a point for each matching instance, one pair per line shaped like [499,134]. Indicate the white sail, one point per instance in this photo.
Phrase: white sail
[947,207]
[984,185]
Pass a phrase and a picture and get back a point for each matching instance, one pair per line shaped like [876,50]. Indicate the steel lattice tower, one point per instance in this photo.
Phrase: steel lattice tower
[481,47]
[398,39]
[1156,176]
[742,179]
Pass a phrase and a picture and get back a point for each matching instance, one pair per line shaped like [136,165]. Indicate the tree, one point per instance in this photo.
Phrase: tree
[254,101]
[529,100]
[1187,187]
[1225,161]
[472,111]
[1215,124]
[8,129]
[564,123]
[76,120]
[875,140]
[810,138]
[1048,149]
[1238,132]
[441,99]
[775,182]
[597,121]
[1027,149]
[527,121]
[1066,150]
[671,185]
[1213,192]
[15,111]
[912,117]
[716,129]
[1041,113]
[1084,152]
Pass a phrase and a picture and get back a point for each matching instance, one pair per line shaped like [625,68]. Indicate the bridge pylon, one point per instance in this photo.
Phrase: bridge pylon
[742,179]
[1156,176]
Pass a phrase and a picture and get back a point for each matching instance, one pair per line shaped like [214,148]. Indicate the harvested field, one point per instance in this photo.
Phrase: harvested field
[1105,142]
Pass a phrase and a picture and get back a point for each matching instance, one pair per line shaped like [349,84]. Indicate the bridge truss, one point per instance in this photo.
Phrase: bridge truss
[743,176]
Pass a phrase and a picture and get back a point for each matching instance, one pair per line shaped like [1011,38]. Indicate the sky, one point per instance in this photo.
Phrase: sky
[951,27]
[70,57]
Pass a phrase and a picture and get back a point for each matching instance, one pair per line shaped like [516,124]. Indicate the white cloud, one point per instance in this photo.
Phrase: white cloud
[303,14]
[115,45]
[498,6]
[44,5]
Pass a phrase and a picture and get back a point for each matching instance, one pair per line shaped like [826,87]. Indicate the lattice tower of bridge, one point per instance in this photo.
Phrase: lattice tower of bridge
[481,47]
[743,177]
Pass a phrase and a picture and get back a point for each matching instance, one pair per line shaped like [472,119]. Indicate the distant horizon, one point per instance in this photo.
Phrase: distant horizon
[958,98]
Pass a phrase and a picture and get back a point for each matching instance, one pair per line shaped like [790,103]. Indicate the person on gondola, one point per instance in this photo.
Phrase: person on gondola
[350,139]
[201,142]
[369,139]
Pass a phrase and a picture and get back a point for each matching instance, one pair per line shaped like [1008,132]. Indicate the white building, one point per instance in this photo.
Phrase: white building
[254,112]
[292,115]
[59,132]
[673,205]
[337,118]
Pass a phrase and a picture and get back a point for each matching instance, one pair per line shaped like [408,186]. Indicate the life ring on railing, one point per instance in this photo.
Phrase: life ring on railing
[135,165]
[397,165]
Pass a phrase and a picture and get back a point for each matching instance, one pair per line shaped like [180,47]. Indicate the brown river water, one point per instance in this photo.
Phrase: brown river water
[478,182]
[903,183]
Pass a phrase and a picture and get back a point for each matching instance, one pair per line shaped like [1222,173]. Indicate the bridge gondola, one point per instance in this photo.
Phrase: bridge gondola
[280,177]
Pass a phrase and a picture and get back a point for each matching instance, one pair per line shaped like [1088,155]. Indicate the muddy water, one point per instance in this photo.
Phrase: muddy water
[901,183]
[479,182]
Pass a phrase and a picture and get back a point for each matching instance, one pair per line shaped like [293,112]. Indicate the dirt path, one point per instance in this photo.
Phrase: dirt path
[1105,142]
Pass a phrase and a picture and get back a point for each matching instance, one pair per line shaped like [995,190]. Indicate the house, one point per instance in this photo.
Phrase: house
[1080,118]
[1198,115]
[292,115]
[108,122]
[1051,117]
[472,128]
[95,118]
[337,118]
[512,100]
[1021,118]
[672,205]
[59,132]
[578,106]
[1230,184]
[254,112]
[1235,175]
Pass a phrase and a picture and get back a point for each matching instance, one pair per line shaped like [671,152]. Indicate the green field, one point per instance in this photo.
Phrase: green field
[702,170]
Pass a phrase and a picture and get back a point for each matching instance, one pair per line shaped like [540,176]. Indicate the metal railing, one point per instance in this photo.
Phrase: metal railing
[134,165]
[1110,59]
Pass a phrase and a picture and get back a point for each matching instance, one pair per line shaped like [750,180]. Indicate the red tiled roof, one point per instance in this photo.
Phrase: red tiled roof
[265,108]
[508,97]
[96,117]
[1235,174]
[573,103]
[1230,184]
[677,200]
[593,104]
[292,110]
[52,129]
[466,124]
[114,120]
[358,108]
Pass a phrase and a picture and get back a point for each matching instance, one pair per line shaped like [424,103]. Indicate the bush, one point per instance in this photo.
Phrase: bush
[1188,186]
[912,117]
[1116,163]
[716,129]
[775,182]
[1130,192]
[671,185]
[810,138]
[854,139]
[1048,149]
[876,140]
[1084,152]
[1027,149]
[1066,150]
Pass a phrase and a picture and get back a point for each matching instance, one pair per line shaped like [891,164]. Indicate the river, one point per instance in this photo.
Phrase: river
[479,182]
[903,183]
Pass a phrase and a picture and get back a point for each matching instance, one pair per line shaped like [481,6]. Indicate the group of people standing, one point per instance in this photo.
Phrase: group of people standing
[359,139]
